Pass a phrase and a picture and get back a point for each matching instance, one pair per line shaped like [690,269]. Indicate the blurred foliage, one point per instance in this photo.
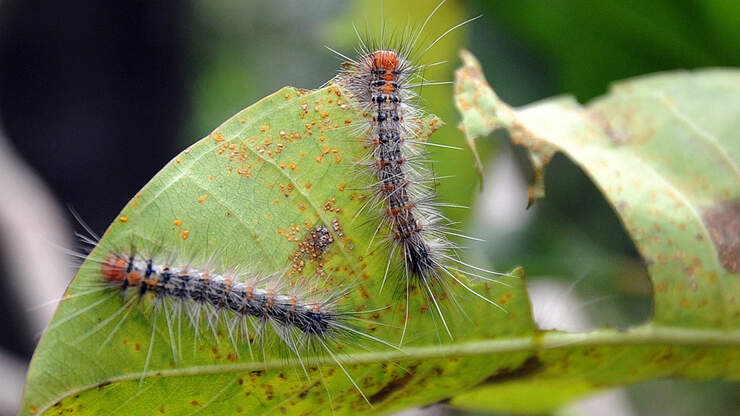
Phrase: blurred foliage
[584,45]
[241,51]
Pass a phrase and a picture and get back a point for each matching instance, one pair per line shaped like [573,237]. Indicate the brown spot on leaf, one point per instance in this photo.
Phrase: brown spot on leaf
[529,367]
[723,223]
[304,393]
[312,249]
[103,384]
[392,386]
[615,135]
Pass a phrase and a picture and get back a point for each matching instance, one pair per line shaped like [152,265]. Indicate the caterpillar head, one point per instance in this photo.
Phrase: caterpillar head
[114,269]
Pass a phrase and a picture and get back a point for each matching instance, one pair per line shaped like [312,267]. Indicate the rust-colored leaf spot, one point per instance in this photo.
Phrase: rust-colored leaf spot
[392,386]
[723,223]
[530,366]
[312,248]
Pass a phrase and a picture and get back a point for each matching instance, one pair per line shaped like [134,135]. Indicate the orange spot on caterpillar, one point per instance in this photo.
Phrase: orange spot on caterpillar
[123,219]
[113,269]
[185,234]
[134,278]
[202,198]
[263,127]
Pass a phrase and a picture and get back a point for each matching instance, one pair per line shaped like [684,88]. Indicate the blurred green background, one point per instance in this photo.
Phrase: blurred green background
[139,82]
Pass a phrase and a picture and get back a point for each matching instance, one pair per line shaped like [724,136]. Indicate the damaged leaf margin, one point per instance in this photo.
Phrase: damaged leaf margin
[663,150]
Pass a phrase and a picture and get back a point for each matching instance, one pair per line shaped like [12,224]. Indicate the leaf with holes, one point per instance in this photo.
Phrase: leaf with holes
[664,151]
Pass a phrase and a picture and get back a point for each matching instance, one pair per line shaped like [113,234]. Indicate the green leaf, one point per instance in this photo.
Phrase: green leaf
[663,149]
[233,193]
[250,192]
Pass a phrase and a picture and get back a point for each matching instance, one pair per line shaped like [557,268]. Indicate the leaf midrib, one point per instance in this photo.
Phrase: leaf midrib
[535,342]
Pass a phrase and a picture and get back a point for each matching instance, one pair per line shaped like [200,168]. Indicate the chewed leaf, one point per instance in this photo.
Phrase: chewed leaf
[664,151]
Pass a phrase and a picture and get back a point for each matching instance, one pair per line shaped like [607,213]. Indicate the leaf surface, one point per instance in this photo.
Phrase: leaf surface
[664,151]
[249,193]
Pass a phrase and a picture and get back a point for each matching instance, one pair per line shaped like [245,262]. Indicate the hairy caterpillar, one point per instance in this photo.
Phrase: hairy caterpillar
[383,78]
[200,296]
